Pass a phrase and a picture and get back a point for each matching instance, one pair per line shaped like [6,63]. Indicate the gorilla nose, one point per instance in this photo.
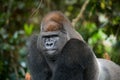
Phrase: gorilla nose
[49,45]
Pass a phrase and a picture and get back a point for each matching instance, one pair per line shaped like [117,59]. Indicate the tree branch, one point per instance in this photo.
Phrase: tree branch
[74,21]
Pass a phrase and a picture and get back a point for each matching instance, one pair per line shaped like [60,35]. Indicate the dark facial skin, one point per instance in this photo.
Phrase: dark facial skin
[51,41]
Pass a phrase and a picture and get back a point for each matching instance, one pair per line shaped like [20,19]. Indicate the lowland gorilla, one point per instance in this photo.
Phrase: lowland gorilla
[60,53]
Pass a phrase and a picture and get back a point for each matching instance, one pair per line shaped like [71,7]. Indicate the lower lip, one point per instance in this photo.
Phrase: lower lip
[50,52]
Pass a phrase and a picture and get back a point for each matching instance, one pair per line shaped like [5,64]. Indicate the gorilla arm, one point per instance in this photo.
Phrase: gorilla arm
[77,62]
[36,62]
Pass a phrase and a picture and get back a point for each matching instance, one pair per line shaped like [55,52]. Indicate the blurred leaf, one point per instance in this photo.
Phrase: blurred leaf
[91,27]
[70,8]
[102,4]
[28,29]
[100,35]
[116,20]
[22,51]
[70,2]
[21,5]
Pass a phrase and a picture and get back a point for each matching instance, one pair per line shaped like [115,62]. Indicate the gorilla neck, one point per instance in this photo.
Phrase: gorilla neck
[51,64]
[51,60]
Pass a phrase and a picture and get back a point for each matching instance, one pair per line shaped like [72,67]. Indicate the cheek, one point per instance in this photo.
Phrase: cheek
[61,42]
[40,44]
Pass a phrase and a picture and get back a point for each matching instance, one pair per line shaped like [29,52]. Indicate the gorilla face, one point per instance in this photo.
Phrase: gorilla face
[52,42]
[52,38]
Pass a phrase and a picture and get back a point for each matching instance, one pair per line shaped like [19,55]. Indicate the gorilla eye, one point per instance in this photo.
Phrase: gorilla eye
[54,36]
[49,36]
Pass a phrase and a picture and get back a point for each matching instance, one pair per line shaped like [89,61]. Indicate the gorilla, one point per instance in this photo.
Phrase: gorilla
[58,52]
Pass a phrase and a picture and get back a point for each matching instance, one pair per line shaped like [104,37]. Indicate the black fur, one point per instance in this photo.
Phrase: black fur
[75,63]
[37,64]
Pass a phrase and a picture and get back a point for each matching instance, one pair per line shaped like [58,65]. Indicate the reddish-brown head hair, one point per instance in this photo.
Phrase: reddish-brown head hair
[53,21]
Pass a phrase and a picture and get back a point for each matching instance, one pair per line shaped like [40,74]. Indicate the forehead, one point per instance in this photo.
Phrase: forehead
[52,22]
[51,26]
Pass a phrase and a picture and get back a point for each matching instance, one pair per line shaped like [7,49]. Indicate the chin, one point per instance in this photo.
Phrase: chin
[51,52]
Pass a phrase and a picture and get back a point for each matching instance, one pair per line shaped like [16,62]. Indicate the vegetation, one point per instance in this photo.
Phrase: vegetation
[98,21]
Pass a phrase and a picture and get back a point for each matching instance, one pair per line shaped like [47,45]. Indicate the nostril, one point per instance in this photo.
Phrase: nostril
[49,45]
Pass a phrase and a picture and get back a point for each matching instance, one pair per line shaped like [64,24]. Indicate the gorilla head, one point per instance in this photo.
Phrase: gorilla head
[56,30]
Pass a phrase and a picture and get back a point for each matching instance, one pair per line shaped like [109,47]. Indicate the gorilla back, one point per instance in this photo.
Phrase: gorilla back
[60,53]
[108,70]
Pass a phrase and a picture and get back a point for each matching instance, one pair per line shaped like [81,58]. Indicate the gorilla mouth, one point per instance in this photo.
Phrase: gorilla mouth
[51,51]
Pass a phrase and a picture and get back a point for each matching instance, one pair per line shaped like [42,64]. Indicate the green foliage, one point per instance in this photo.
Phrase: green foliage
[100,35]
[28,29]
[99,25]
[12,39]
[10,45]
[87,29]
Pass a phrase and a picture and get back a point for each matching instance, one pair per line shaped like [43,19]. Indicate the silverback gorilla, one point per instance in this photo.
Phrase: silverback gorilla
[60,53]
